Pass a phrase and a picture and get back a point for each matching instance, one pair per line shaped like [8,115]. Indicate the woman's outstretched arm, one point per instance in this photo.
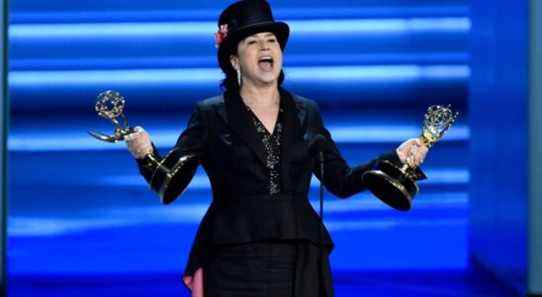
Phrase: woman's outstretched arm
[169,175]
[339,178]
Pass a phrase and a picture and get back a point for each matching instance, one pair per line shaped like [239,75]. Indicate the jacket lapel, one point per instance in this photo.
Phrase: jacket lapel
[290,132]
[240,122]
[235,115]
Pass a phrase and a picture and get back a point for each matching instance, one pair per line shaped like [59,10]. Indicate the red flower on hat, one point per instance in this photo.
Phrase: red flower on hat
[221,34]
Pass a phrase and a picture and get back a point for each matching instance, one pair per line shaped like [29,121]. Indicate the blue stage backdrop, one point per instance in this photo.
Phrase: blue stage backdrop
[81,219]
[503,128]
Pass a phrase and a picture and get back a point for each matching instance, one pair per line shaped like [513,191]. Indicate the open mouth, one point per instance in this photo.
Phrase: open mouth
[266,63]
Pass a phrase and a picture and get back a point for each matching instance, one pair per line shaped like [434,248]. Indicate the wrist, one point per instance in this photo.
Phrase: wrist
[145,154]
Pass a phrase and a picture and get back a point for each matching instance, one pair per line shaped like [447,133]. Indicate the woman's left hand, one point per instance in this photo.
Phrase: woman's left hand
[412,152]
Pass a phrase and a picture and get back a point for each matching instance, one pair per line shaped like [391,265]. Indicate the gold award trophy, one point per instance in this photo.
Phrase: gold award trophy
[110,105]
[396,186]
[167,170]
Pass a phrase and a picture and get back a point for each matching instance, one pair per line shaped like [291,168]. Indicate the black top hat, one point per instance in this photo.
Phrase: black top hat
[242,19]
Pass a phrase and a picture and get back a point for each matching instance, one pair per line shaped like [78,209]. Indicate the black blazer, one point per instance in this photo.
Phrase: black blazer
[222,138]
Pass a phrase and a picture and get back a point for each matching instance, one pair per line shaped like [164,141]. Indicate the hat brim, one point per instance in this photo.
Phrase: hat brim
[280,29]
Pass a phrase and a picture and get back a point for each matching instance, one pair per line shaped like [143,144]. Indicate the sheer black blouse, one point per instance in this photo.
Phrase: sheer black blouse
[271,143]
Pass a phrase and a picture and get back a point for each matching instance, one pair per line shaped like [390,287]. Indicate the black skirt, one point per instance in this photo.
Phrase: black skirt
[254,269]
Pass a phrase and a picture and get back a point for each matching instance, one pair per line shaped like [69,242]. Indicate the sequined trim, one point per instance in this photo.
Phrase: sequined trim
[271,143]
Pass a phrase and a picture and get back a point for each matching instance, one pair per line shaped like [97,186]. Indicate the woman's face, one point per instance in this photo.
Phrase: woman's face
[260,58]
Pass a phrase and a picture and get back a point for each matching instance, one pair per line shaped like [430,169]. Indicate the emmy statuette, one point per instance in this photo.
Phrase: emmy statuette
[396,186]
[110,105]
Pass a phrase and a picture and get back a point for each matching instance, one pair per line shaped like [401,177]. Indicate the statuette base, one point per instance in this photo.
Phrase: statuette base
[391,185]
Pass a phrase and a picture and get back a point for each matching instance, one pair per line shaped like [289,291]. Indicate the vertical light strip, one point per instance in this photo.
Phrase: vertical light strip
[4,119]
[535,150]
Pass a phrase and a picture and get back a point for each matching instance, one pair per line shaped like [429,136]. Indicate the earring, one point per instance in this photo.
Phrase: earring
[238,76]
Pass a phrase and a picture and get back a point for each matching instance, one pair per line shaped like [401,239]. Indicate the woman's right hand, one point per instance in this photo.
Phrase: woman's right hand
[139,143]
[412,152]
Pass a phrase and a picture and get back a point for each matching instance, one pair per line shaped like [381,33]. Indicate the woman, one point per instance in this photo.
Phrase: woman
[256,142]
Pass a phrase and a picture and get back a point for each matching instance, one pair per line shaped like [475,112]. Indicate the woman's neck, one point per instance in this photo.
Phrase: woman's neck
[260,96]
